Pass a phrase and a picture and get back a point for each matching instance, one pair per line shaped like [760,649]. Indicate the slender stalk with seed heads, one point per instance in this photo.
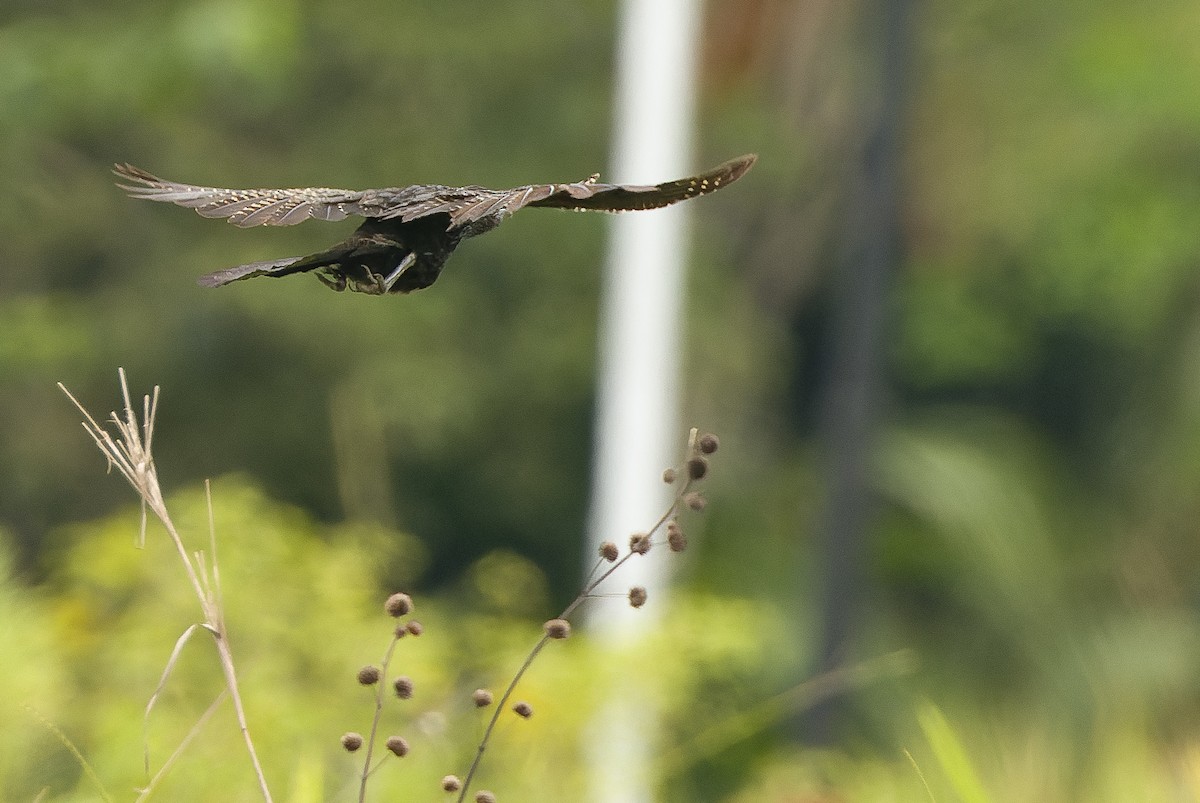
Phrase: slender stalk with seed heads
[398,605]
[693,470]
[368,770]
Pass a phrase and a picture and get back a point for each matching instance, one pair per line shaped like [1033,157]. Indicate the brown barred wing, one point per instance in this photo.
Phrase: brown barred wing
[474,210]
[422,200]
[591,194]
[469,210]
[245,208]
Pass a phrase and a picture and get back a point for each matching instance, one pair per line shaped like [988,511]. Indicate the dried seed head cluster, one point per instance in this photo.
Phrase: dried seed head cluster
[639,543]
[695,468]
[399,605]
[692,470]
[557,628]
[403,687]
[676,539]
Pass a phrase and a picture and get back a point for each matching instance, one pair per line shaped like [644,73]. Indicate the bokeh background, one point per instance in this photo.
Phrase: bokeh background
[1016,618]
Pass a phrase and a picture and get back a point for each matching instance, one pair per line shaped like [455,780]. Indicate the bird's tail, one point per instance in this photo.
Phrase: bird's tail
[271,267]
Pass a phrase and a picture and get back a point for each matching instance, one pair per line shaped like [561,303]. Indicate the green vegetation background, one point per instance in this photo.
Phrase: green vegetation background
[1036,548]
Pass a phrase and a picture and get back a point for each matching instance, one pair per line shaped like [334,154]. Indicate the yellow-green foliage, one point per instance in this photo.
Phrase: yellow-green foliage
[304,611]
[304,604]
[33,674]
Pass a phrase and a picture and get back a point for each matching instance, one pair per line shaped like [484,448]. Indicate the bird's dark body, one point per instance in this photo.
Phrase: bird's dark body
[375,250]
[409,232]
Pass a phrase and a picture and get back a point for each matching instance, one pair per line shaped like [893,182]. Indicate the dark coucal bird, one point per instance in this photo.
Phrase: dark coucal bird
[409,232]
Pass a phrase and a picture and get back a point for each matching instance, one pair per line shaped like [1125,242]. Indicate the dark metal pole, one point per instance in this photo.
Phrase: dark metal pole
[852,403]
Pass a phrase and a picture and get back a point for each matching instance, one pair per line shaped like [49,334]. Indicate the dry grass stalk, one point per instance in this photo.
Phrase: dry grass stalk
[130,453]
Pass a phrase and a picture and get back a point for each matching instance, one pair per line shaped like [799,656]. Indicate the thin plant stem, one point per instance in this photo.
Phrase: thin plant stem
[587,592]
[921,775]
[710,741]
[231,683]
[379,686]
[499,708]
[88,770]
[588,589]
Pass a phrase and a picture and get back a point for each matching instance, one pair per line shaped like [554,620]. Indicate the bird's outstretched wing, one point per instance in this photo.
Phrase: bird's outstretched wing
[466,205]
[591,194]
[248,207]
[472,208]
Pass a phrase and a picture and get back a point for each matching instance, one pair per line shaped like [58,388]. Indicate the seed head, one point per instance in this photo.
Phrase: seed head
[485,796]
[403,686]
[637,596]
[676,538]
[523,709]
[352,741]
[695,501]
[639,543]
[557,628]
[708,443]
[482,697]
[609,551]
[451,783]
[415,628]
[398,605]
[697,467]
[368,675]
[668,475]
[398,745]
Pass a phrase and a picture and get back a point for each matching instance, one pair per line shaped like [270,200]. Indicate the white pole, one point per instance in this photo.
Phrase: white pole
[637,426]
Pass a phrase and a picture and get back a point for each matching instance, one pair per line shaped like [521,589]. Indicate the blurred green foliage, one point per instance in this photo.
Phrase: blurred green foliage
[1039,467]
[304,613]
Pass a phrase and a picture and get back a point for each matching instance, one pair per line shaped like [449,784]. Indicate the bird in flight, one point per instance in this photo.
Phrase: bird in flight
[409,232]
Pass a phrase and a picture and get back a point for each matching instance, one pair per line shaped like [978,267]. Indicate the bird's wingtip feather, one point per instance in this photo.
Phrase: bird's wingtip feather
[133,173]
[743,163]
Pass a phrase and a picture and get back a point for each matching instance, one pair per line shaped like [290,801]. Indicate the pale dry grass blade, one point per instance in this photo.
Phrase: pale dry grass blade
[162,683]
[144,794]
